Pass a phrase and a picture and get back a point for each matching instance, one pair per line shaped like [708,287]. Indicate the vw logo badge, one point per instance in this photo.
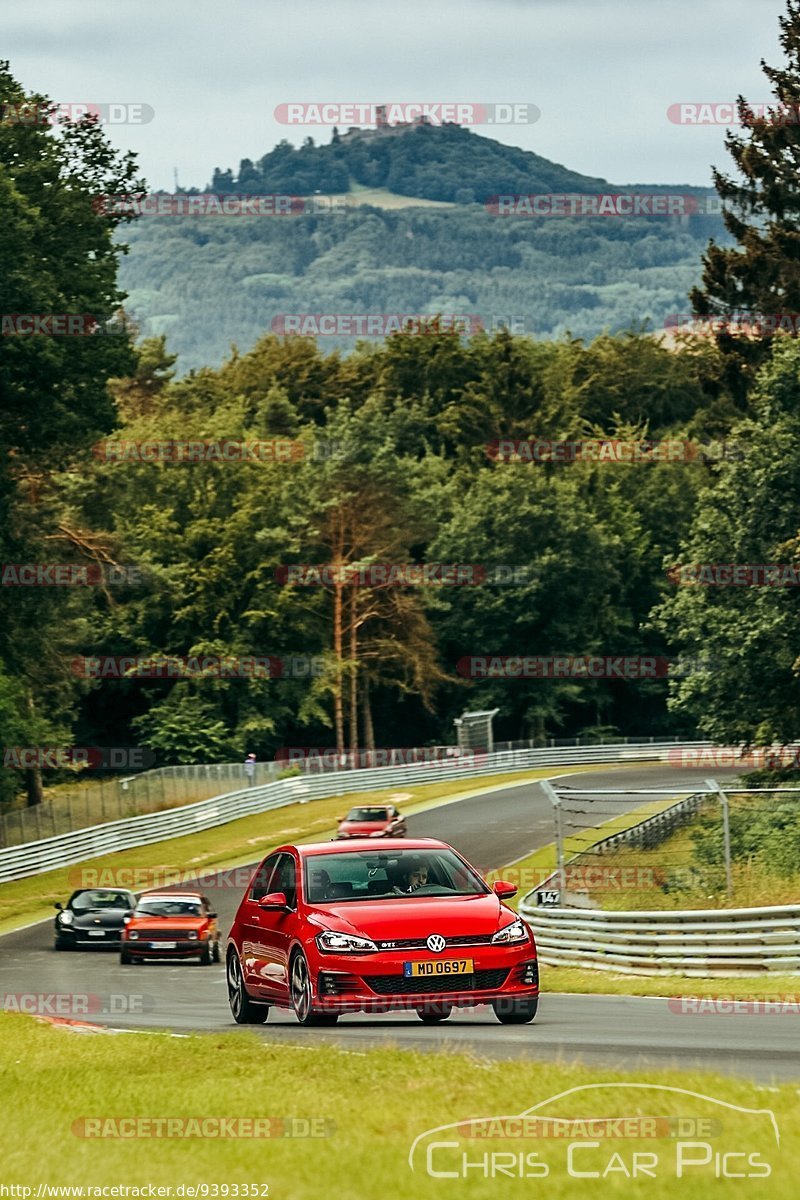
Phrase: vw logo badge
[435,943]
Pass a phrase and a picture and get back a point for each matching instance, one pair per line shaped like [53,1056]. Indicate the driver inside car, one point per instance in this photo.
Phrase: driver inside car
[414,877]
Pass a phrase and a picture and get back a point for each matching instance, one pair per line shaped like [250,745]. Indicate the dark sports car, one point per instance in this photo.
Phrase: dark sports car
[93,917]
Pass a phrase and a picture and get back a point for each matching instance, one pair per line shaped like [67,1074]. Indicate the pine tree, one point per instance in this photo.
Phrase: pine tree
[761,209]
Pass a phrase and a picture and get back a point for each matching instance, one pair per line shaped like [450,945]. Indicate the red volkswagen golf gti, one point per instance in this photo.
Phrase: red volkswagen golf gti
[335,927]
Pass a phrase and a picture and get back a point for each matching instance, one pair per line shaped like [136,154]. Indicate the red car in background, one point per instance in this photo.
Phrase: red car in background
[372,820]
[332,928]
[171,925]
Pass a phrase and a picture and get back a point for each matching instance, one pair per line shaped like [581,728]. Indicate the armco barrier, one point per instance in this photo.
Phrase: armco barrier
[722,942]
[32,858]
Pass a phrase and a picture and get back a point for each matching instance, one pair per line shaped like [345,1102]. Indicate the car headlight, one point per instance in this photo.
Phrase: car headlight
[133,936]
[347,942]
[515,932]
[378,833]
[65,918]
[193,935]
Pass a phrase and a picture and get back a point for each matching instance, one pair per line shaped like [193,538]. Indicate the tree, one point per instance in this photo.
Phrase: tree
[761,212]
[744,641]
[58,255]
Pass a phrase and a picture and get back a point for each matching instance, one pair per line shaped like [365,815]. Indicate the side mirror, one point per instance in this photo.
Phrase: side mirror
[59,906]
[273,900]
[503,889]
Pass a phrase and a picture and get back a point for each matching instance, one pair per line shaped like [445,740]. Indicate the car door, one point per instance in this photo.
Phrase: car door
[279,931]
[256,923]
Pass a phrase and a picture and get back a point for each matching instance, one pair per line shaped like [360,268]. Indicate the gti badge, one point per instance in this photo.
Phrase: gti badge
[435,943]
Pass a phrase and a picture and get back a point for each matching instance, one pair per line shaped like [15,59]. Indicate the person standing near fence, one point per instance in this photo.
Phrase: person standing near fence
[250,769]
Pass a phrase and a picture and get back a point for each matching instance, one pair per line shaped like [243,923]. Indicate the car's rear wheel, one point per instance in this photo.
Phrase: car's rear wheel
[300,988]
[515,1012]
[205,957]
[432,1014]
[245,1012]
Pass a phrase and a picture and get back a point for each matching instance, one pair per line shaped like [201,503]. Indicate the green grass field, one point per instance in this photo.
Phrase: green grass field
[369,1108]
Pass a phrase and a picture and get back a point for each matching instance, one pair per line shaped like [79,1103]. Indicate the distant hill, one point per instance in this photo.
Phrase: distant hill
[435,162]
[424,242]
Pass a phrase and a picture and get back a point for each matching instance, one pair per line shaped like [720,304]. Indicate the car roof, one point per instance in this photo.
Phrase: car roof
[368,844]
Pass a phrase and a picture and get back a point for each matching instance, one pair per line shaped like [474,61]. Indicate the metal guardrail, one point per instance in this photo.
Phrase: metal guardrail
[33,858]
[646,833]
[699,943]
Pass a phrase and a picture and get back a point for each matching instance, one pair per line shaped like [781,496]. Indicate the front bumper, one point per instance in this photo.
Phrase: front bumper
[69,936]
[377,983]
[183,948]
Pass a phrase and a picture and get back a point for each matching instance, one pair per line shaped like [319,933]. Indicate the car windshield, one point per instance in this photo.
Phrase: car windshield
[378,875]
[368,814]
[162,907]
[91,901]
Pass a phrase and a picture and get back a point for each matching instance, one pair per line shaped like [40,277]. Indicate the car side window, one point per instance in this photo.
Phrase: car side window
[263,877]
[286,879]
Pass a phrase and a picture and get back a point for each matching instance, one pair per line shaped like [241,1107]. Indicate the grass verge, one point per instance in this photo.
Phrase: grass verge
[371,1107]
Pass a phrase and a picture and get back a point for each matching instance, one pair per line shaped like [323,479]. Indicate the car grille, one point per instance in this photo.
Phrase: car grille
[401,985]
[162,935]
[462,939]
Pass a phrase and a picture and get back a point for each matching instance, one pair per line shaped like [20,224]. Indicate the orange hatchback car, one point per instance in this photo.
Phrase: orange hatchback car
[171,925]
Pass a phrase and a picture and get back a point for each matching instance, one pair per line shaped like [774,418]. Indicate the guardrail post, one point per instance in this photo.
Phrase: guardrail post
[553,797]
[726,832]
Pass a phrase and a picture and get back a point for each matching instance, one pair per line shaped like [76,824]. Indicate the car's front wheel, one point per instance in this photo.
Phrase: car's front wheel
[216,953]
[245,1012]
[515,1012]
[432,1014]
[300,987]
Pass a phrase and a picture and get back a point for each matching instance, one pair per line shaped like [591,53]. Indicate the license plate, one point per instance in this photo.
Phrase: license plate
[439,966]
[163,945]
[97,933]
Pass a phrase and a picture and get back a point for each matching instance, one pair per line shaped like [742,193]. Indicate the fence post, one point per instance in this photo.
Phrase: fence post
[726,832]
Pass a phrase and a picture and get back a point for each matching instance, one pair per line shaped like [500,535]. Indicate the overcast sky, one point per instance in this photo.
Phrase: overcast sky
[602,72]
